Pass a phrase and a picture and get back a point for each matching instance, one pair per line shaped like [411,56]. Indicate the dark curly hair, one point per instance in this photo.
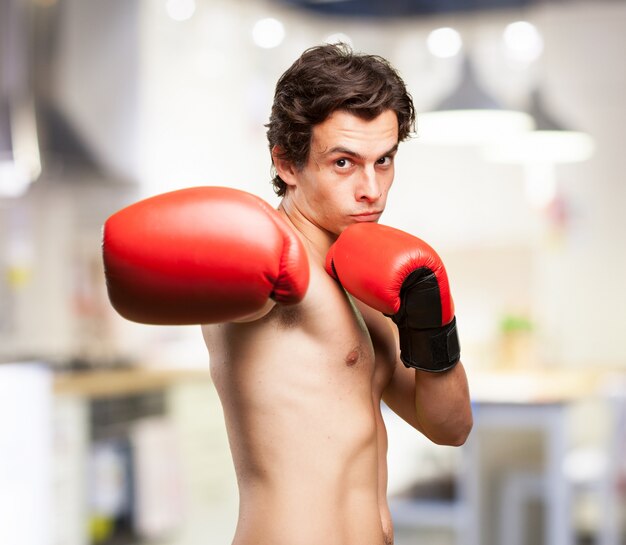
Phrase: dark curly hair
[325,79]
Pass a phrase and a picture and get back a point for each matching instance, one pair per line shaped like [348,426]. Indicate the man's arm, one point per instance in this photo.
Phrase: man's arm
[201,255]
[436,404]
[404,278]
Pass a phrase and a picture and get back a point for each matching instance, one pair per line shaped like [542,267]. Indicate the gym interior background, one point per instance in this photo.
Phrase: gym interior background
[110,432]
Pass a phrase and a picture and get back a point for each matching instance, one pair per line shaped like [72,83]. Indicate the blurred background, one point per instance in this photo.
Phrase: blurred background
[111,432]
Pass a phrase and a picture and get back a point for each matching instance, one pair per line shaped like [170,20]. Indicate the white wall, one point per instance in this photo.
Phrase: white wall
[580,292]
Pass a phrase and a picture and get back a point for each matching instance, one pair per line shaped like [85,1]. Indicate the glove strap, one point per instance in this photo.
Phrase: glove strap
[435,350]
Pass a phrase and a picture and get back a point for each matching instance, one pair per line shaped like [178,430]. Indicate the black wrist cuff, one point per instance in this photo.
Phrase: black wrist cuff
[434,350]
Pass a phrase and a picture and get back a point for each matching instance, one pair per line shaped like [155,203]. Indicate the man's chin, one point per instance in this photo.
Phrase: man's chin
[342,228]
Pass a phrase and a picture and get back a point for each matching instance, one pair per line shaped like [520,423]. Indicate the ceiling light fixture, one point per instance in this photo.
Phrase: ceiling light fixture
[470,116]
[539,151]
[20,162]
[523,41]
[268,33]
[444,43]
[180,10]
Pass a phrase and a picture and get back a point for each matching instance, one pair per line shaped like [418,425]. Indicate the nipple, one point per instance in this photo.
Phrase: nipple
[352,357]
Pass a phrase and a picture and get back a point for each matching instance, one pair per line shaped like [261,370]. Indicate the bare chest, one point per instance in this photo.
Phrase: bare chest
[323,335]
[327,343]
[334,327]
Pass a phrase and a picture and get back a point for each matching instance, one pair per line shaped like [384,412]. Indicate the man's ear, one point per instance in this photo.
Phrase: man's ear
[284,168]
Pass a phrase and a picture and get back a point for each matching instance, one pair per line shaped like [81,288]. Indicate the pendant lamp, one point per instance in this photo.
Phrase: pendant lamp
[19,148]
[540,150]
[551,142]
[470,116]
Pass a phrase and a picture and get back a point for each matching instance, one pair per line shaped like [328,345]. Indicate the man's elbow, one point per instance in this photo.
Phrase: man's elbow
[456,436]
[461,437]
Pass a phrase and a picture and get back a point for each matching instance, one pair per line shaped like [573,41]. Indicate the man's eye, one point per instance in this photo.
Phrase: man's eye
[384,160]
[342,163]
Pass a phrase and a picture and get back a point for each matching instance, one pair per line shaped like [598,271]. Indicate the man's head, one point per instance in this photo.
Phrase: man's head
[326,79]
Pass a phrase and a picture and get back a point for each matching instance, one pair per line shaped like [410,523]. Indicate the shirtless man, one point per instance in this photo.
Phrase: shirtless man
[301,384]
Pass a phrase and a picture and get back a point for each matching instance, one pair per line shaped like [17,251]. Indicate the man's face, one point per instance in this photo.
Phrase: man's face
[349,171]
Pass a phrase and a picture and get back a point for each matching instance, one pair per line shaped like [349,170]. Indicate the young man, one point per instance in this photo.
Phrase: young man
[300,365]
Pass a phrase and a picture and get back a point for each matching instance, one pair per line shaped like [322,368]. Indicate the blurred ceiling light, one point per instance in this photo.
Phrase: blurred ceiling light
[13,179]
[551,142]
[542,147]
[523,41]
[268,33]
[20,162]
[540,150]
[470,116]
[180,10]
[339,38]
[444,42]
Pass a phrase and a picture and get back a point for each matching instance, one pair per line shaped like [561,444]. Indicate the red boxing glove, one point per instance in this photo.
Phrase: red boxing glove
[403,277]
[201,255]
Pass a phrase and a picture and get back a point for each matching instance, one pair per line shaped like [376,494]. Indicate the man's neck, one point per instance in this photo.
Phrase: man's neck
[315,238]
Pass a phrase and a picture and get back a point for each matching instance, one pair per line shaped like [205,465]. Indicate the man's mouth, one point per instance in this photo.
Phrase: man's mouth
[373,215]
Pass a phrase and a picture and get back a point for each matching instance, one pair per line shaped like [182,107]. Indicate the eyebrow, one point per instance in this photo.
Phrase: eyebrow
[356,155]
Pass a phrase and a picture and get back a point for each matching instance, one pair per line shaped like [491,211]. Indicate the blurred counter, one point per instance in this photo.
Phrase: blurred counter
[114,383]
[538,385]
[535,385]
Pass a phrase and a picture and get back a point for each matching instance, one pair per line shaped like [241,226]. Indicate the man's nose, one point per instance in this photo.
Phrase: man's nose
[369,186]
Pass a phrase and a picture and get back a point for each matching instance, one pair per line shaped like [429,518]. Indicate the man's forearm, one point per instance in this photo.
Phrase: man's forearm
[442,404]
